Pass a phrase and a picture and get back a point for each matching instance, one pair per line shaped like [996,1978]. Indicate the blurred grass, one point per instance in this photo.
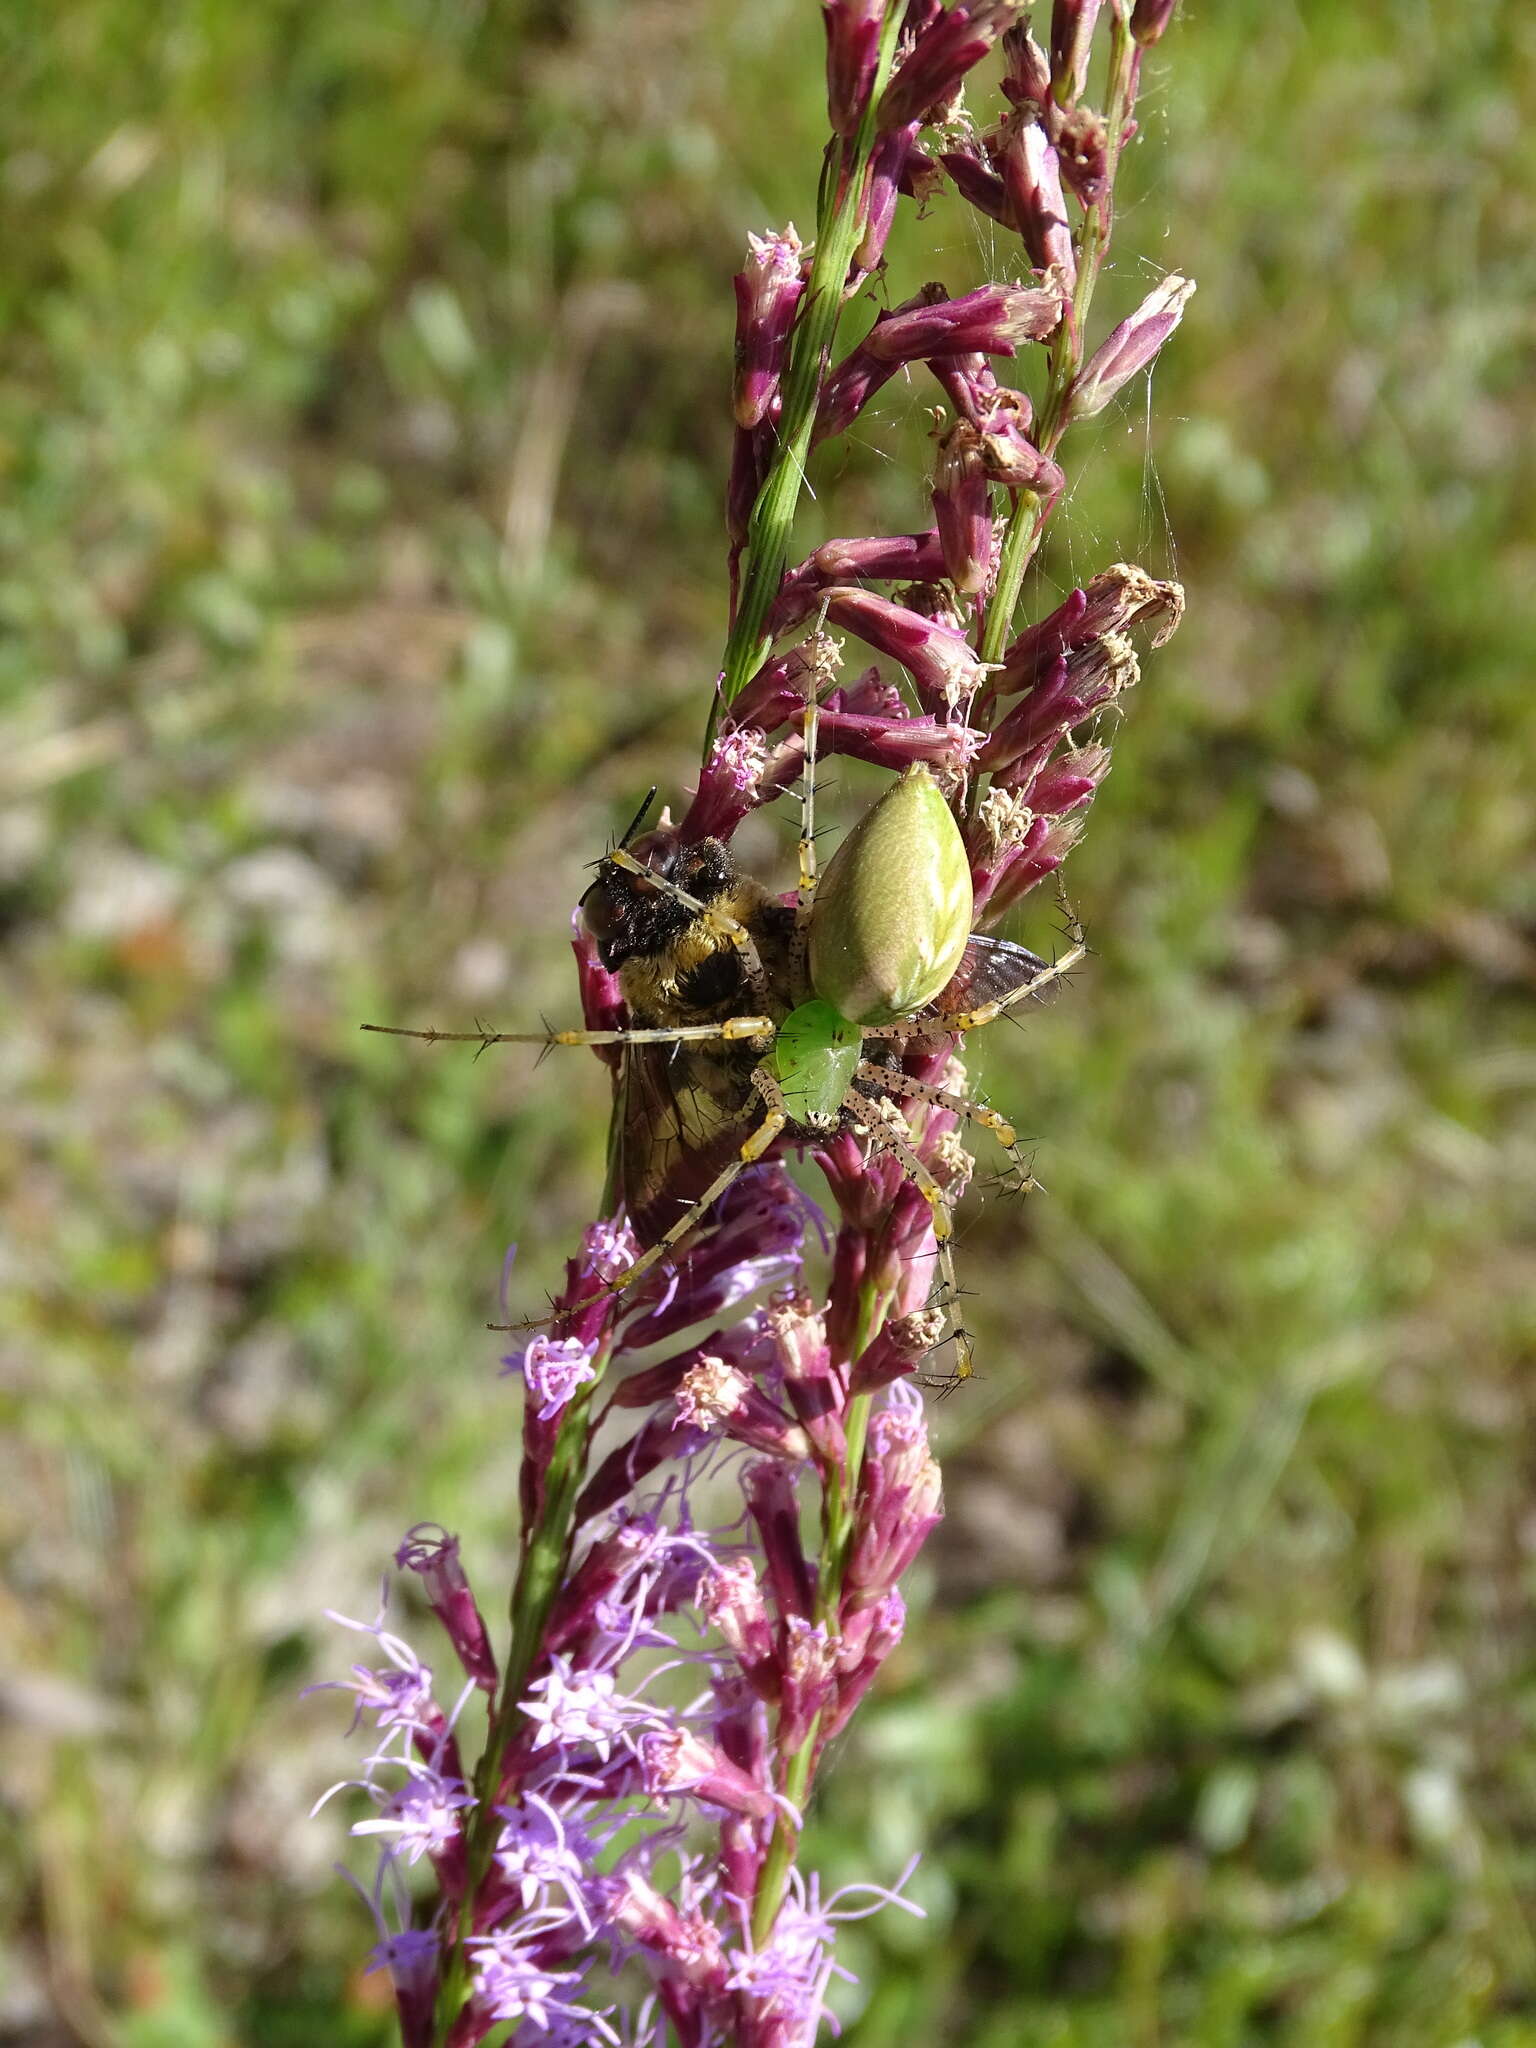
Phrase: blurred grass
[362,428]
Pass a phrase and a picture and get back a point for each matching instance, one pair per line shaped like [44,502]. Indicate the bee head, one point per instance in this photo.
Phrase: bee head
[630,916]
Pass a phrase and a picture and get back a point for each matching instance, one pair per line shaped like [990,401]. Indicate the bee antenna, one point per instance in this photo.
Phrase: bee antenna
[639,817]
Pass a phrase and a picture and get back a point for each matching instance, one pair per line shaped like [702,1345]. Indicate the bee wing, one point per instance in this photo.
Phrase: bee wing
[680,1122]
[990,970]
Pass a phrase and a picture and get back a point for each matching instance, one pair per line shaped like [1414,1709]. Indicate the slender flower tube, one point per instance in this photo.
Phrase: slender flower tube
[1131,348]
[768,289]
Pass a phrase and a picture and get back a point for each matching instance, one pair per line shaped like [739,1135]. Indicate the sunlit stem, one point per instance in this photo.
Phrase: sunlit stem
[1028,512]
[840,221]
[541,1572]
[840,1488]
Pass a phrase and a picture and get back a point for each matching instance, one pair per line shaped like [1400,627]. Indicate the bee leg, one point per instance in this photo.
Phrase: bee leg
[899,1083]
[727,928]
[885,1136]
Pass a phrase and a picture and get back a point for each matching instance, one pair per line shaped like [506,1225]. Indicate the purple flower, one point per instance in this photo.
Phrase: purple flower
[540,1851]
[422,1815]
[512,1984]
[552,1369]
[557,1852]
[399,1699]
[568,1708]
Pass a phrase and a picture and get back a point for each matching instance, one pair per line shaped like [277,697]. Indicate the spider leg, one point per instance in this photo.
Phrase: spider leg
[885,1136]
[723,927]
[972,1020]
[754,1146]
[898,1083]
[805,895]
[731,1028]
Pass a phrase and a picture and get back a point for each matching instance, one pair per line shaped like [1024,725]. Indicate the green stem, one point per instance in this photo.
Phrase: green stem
[1026,520]
[840,221]
[839,1491]
[540,1575]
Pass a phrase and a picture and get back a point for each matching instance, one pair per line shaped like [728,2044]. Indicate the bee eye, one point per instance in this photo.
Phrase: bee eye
[599,912]
[654,850]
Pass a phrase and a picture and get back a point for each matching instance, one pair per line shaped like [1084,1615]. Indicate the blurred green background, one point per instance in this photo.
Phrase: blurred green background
[362,435]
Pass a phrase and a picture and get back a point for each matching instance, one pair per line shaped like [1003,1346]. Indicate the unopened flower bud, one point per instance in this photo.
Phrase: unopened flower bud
[1150,19]
[992,320]
[1032,178]
[962,505]
[1072,26]
[1131,348]
[941,660]
[933,71]
[433,1555]
[889,174]
[853,50]
[981,187]
[770,1490]
[768,290]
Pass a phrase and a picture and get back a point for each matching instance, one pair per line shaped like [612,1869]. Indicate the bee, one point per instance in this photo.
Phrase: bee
[660,914]
[753,1020]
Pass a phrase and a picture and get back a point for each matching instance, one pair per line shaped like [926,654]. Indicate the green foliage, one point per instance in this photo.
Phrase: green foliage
[363,428]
